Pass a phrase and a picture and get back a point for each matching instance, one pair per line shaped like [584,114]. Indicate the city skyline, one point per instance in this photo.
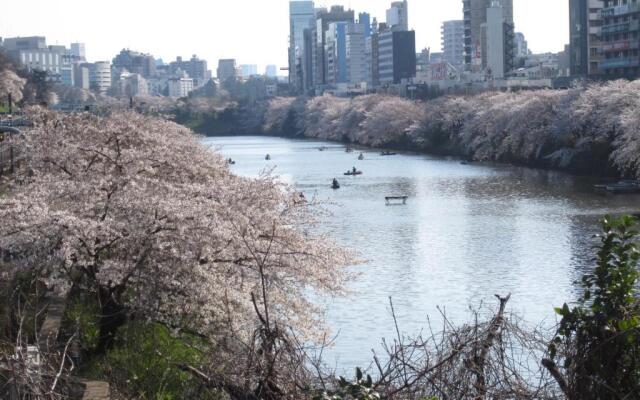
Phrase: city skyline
[269,20]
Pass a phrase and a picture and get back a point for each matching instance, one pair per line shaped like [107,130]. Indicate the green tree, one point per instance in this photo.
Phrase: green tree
[600,336]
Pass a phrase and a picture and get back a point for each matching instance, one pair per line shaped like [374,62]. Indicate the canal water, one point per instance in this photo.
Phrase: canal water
[466,233]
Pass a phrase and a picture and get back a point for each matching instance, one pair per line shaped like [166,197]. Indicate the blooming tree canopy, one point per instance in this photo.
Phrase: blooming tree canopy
[135,208]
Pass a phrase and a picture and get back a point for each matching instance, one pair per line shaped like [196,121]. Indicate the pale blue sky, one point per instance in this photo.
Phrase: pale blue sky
[252,31]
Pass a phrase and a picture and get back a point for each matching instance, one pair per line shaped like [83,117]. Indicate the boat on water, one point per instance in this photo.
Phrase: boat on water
[349,150]
[335,185]
[388,153]
[353,172]
[231,162]
[622,187]
[267,157]
[361,157]
[323,148]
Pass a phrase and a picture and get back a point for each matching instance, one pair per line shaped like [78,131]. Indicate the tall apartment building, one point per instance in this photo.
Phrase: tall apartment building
[475,15]
[194,67]
[620,38]
[452,34]
[226,69]
[585,27]
[397,56]
[301,18]
[398,16]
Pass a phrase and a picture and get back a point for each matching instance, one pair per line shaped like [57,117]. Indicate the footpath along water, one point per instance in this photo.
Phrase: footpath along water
[466,233]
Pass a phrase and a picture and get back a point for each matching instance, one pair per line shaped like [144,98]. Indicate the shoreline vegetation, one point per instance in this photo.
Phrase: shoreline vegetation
[588,130]
[151,267]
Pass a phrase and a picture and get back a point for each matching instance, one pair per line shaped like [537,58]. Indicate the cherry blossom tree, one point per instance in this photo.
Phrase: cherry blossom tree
[11,83]
[134,210]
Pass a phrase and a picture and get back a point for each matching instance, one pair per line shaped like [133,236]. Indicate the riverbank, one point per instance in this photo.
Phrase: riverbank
[591,130]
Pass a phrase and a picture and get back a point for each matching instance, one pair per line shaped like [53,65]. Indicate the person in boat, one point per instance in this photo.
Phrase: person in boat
[361,156]
[268,157]
[335,184]
[354,170]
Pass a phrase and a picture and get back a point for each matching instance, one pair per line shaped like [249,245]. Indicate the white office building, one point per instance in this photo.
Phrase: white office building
[100,76]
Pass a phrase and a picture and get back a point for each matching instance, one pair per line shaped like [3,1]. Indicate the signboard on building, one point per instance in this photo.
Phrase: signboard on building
[439,71]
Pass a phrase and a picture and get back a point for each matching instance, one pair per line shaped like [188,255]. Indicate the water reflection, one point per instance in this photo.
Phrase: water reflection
[468,232]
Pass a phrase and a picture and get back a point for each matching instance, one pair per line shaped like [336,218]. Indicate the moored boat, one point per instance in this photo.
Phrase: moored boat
[622,187]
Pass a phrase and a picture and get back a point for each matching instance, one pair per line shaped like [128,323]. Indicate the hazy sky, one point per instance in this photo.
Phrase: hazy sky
[252,31]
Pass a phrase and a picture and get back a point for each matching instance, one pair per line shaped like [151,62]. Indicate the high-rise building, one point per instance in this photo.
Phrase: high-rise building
[226,70]
[496,64]
[195,68]
[355,53]
[586,27]
[271,71]
[475,15]
[452,33]
[336,53]
[398,16]
[323,19]
[397,56]
[248,70]
[79,50]
[301,18]
[365,20]
[497,33]
[372,54]
[522,46]
[135,62]
[620,39]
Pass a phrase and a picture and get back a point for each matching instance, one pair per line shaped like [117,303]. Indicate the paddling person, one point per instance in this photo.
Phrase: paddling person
[354,170]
